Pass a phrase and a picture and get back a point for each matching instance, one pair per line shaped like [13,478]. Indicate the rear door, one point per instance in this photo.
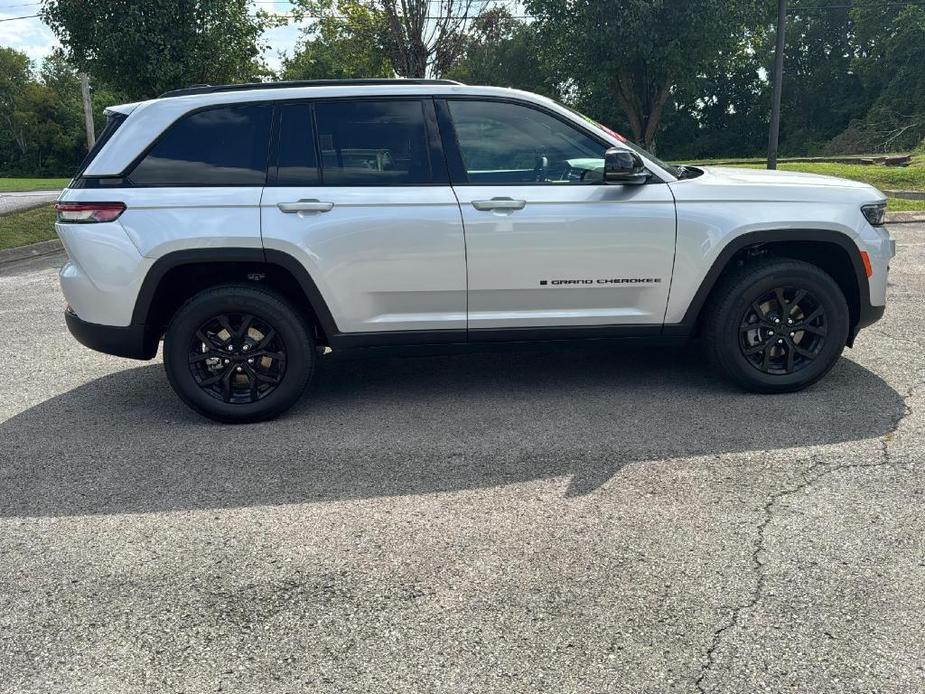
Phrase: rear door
[363,201]
[548,244]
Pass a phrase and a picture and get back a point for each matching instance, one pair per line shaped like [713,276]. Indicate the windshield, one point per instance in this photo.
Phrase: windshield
[673,170]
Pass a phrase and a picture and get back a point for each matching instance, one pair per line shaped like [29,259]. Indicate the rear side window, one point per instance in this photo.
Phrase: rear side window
[224,146]
[378,143]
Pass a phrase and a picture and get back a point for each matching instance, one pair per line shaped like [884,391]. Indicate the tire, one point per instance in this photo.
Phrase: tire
[748,337]
[236,369]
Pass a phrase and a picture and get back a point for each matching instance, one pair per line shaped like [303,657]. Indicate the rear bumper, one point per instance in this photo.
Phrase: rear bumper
[132,341]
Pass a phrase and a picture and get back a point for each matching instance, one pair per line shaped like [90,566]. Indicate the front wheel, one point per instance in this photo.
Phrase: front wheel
[238,354]
[777,325]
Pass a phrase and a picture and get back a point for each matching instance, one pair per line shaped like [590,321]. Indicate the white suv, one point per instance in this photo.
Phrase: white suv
[252,226]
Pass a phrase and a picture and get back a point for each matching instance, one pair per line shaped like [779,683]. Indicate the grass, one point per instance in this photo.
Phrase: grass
[895,205]
[27,227]
[911,177]
[22,185]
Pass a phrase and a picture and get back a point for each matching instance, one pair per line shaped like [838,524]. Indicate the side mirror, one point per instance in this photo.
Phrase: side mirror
[623,166]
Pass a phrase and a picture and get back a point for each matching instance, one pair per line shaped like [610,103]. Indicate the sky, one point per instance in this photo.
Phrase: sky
[36,40]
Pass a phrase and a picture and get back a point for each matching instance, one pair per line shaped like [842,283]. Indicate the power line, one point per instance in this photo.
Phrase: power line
[282,15]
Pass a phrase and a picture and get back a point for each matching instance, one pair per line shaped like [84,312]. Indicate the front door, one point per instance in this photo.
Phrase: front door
[548,244]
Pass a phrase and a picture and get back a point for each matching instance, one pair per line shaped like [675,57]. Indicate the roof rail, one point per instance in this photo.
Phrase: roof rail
[211,89]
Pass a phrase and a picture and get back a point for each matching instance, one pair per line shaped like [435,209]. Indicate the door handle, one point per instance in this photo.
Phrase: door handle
[306,206]
[499,204]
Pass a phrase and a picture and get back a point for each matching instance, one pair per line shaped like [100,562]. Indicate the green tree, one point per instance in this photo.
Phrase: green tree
[342,44]
[724,109]
[15,76]
[638,50]
[822,93]
[890,62]
[503,52]
[41,115]
[418,38]
[145,47]
[62,81]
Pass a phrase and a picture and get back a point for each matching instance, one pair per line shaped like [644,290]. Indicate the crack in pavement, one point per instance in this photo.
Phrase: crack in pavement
[758,565]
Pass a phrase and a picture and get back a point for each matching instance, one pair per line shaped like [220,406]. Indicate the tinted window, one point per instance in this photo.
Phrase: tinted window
[113,122]
[507,143]
[218,147]
[373,143]
[297,161]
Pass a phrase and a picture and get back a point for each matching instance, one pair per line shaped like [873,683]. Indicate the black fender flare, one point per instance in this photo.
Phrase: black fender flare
[867,313]
[170,261]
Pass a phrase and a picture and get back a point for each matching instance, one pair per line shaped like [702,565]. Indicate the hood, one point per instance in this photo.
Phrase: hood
[728,183]
[787,178]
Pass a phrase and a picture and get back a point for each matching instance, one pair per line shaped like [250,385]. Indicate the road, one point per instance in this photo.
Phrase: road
[20,202]
[588,521]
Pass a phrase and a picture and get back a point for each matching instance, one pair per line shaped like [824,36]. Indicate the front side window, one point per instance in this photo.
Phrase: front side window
[509,143]
[224,146]
[376,143]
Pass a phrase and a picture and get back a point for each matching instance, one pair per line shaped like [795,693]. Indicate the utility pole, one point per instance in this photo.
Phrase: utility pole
[778,84]
[88,109]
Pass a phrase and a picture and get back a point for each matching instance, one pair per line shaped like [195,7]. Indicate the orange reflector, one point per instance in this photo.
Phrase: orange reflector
[865,258]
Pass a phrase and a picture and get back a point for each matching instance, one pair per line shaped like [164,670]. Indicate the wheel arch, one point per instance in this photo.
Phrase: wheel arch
[176,276]
[834,252]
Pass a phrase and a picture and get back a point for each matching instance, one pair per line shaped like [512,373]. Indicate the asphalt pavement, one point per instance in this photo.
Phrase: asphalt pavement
[20,202]
[592,520]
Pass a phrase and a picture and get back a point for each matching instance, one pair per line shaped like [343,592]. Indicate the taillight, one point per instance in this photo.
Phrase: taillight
[89,212]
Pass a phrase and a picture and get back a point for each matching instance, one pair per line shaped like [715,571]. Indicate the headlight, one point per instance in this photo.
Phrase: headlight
[875,213]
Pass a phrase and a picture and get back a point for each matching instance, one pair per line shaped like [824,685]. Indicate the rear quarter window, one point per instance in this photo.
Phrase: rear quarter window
[114,121]
[224,146]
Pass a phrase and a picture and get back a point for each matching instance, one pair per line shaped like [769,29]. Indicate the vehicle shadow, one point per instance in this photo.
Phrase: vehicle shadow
[389,426]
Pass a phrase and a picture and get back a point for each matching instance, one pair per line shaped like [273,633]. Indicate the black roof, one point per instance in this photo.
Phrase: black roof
[210,88]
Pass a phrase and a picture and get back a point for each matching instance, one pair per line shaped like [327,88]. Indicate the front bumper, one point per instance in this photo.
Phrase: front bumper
[872,301]
[869,315]
[132,341]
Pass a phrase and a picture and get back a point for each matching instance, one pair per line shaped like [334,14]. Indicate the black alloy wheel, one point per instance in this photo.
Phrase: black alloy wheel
[783,331]
[237,358]
[776,325]
[239,353]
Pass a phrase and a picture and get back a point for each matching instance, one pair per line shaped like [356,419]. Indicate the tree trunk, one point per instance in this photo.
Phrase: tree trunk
[644,114]
[654,116]
[622,87]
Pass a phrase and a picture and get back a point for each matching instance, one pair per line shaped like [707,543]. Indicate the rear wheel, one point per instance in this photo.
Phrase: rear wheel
[776,325]
[238,354]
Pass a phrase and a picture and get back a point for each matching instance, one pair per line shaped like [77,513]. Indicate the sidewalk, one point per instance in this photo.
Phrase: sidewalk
[20,202]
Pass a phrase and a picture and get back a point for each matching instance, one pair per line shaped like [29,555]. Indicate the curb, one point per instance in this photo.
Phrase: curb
[33,250]
[904,217]
[905,194]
